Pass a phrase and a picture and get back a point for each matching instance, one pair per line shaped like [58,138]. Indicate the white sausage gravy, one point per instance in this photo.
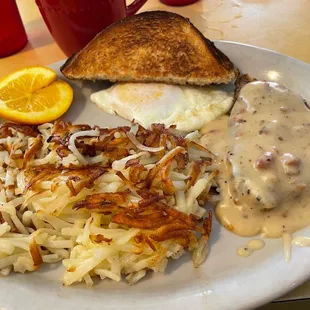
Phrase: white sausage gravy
[263,151]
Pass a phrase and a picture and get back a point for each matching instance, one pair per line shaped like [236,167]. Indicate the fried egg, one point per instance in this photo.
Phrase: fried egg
[187,107]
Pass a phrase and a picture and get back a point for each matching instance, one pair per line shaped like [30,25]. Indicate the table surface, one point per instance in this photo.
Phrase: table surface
[280,25]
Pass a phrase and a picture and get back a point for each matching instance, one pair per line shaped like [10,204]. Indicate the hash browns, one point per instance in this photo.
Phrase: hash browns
[105,202]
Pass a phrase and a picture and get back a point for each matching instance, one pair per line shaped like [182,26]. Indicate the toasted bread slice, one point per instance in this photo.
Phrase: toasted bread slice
[155,46]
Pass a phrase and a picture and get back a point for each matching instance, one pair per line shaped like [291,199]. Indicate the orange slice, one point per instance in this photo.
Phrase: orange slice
[33,96]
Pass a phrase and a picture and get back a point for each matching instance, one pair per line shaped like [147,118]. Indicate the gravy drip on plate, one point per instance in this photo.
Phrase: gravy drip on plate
[263,153]
[251,247]
[301,241]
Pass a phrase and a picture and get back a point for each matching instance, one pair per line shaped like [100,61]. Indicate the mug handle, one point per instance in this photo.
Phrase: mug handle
[134,7]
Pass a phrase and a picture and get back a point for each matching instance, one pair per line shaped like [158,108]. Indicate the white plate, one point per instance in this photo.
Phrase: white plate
[225,280]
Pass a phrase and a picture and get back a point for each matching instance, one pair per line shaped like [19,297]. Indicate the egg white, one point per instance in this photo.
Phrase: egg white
[187,107]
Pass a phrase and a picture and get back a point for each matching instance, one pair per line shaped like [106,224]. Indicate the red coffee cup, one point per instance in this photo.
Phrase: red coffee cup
[178,2]
[12,32]
[73,23]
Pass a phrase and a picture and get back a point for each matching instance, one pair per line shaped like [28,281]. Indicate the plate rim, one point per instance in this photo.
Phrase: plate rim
[263,49]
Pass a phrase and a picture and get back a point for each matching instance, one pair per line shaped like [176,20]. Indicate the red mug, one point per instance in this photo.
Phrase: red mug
[12,32]
[73,23]
[178,2]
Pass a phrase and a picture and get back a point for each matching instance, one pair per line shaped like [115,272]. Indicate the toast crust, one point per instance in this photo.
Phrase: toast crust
[154,46]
